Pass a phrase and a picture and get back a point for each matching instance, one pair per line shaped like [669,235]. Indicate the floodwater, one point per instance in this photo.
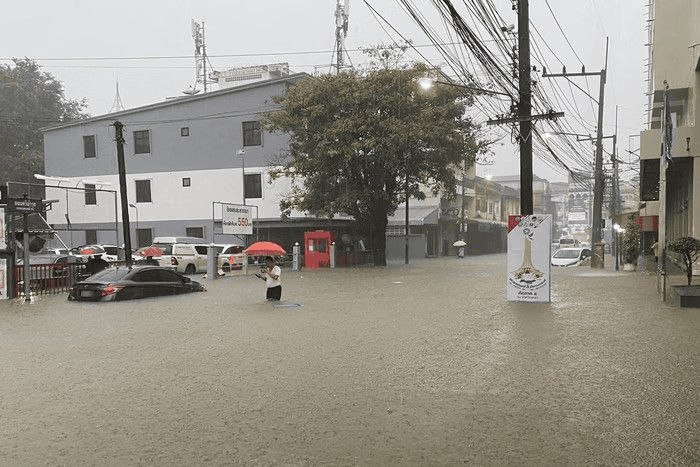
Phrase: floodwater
[427,364]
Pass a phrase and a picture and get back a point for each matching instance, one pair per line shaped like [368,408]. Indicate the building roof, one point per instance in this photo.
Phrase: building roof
[515,178]
[180,100]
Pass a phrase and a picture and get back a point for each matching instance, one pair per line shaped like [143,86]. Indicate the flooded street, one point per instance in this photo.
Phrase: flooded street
[426,364]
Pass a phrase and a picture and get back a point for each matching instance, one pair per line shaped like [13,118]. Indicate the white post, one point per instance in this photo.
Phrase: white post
[211,263]
[332,252]
[295,257]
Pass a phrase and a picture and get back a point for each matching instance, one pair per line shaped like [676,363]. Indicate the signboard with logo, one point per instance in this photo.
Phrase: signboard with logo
[3,242]
[3,279]
[528,264]
[237,219]
[577,217]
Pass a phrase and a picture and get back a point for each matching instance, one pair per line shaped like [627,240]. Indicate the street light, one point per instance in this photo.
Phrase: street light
[427,82]
[241,152]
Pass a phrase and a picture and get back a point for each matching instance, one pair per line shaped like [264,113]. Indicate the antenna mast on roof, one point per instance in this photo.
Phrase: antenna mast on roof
[200,58]
[342,14]
[117,105]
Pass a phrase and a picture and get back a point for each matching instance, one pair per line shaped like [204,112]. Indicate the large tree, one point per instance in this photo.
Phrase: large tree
[30,99]
[360,141]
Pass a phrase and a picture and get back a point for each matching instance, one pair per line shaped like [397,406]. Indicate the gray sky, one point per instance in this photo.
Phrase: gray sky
[266,29]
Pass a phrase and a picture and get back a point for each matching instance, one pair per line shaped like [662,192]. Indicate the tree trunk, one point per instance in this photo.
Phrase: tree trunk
[378,234]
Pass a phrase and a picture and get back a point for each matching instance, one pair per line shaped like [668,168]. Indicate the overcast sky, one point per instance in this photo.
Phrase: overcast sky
[269,31]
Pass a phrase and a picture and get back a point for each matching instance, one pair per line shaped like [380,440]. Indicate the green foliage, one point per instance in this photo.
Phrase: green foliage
[29,100]
[687,251]
[631,241]
[356,137]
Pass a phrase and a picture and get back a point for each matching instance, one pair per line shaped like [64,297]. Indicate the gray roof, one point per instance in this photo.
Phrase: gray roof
[180,100]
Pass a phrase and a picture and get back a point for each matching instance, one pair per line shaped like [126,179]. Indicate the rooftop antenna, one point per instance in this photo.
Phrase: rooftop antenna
[342,14]
[117,105]
[200,58]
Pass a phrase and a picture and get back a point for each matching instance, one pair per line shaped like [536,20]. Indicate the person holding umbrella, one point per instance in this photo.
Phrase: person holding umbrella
[271,273]
[460,244]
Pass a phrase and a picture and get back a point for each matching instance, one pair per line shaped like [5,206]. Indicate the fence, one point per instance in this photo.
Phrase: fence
[51,278]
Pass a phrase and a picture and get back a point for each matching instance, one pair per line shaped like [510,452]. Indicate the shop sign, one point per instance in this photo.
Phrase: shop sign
[237,219]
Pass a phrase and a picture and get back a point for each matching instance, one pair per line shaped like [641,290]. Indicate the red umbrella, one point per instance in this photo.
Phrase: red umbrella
[264,249]
[87,251]
[150,251]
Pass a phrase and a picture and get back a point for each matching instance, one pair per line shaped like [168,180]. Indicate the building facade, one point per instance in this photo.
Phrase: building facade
[674,54]
[181,156]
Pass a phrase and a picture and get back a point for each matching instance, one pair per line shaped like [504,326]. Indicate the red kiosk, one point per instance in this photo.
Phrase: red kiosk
[317,249]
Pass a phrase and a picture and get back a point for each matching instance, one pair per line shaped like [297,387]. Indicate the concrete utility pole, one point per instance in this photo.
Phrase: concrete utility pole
[615,196]
[598,257]
[524,117]
[119,138]
[525,108]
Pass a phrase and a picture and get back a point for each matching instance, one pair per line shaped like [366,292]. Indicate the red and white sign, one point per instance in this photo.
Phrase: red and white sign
[528,261]
[3,279]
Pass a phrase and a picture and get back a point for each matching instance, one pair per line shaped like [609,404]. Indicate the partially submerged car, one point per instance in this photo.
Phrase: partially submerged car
[124,283]
[570,256]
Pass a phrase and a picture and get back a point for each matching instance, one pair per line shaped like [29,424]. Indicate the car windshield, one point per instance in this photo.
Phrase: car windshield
[111,250]
[110,275]
[566,241]
[567,254]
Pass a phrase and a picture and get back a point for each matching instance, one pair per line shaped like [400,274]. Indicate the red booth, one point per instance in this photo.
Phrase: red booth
[317,249]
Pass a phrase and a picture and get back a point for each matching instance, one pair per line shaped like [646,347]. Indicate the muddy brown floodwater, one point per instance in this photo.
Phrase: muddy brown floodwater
[421,365]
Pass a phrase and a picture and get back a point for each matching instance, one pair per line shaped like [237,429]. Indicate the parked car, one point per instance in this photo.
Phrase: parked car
[570,256]
[132,283]
[568,242]
[184,257]
[108,253]
[54,251]
[226,262]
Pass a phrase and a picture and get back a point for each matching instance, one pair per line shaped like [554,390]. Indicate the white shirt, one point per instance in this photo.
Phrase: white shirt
[276,271]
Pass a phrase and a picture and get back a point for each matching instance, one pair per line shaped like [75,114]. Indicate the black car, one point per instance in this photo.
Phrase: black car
[135,282]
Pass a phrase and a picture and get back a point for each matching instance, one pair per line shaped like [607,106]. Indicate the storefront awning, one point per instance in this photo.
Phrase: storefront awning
[417,215]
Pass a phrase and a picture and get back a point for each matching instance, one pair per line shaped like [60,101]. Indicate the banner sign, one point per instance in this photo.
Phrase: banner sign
[3,242]
[25,206]
[577,217]
[3,279]
[528,260]
[236,219]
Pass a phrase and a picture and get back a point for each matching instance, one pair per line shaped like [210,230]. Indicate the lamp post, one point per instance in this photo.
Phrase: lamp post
[241,153]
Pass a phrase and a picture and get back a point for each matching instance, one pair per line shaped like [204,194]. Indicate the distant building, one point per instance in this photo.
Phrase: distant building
[541,192]
[249,74]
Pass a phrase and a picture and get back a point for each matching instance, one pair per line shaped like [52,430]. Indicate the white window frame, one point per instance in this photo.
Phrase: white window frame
[150,183]
[150,142]
[262,185]
[94,136]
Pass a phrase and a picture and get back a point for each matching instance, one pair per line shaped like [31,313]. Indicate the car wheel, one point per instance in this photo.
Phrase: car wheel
[190,269]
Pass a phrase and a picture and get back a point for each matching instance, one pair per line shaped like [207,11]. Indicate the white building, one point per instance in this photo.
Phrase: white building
[181,156]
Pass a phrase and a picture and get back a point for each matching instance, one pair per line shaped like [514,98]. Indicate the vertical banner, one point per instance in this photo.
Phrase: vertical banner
[3,279]
[3,244]
[528,263]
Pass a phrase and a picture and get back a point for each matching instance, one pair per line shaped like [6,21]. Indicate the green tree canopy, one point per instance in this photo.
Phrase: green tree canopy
[358,139]
[30,99]
[687,250]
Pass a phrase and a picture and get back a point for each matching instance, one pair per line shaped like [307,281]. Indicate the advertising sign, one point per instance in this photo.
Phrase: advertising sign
[3,243]
[528,263]
[3,279]
[237,219]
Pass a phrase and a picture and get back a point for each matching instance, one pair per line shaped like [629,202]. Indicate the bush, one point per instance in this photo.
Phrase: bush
[631,241]
[687,251]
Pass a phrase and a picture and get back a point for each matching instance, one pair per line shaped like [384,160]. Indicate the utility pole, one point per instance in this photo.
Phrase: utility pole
[119,138]
[598,257]
[406,226]
[524,117]
[615,196]
[525,108]
[464,198]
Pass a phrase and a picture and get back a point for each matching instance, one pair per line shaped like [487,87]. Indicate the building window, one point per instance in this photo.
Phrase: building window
[90,237]
[143,191]
[142,142]
[89,148]
[649,180]
[144,237]
[197,232]
[186,181]
[90,194]
[185,131]
[251,134]
[253,186]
